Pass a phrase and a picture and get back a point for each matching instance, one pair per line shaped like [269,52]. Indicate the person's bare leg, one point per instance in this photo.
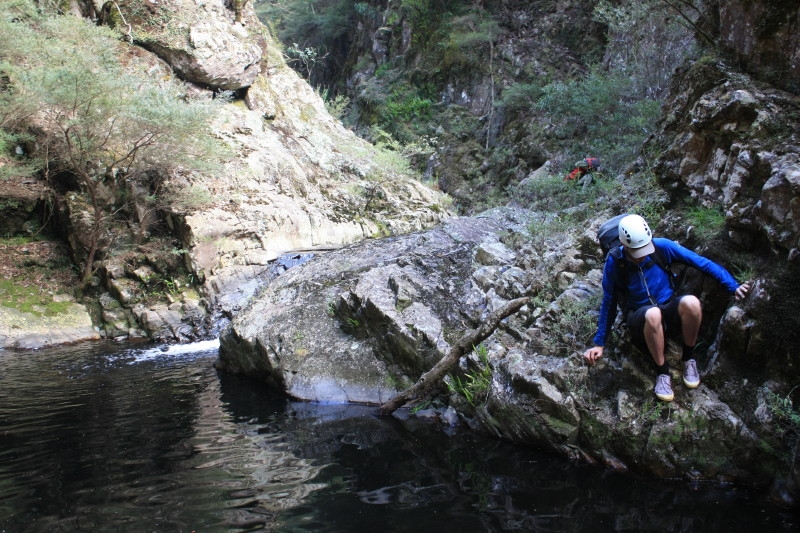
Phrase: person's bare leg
[691,313]
[654,335]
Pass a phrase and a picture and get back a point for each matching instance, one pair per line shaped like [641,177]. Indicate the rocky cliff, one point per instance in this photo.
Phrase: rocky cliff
[364,323]
[297,181]
[301,181]
[762,37]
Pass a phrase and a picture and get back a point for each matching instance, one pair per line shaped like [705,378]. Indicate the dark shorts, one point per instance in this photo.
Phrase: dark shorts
[670,320]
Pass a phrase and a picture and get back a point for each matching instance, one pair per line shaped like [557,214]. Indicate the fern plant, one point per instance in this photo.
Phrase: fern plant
[474,385]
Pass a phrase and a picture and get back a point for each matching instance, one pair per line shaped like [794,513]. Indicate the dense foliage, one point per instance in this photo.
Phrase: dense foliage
[474,84]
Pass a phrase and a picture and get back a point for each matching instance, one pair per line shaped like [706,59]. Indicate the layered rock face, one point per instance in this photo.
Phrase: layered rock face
[763,36]
[732,144]
[363,323]
[297,181]
[301,181]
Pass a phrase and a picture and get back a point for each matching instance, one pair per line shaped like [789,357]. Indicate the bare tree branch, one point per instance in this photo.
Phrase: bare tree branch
[473,337]
[676,6]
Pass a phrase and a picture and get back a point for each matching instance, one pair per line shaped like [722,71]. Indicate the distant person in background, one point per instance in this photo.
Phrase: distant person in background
[583,171]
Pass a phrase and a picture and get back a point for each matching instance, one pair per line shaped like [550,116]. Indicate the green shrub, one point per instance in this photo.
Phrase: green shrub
[303,59]
[336,105]
[571,326]
[743,274]
[551,193]
[602,110]
[783,412]
[100,122]
[520,96]
[651,411]
[406,108]
[475,384]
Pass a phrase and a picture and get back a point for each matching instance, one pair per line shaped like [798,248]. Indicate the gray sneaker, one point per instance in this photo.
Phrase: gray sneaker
[691,377]
[664,388]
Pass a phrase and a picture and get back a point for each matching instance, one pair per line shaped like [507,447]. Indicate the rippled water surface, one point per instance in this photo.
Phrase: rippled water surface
[107,438]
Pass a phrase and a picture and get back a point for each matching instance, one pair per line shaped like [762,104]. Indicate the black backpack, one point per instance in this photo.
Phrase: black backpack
[608,234]
[608,237]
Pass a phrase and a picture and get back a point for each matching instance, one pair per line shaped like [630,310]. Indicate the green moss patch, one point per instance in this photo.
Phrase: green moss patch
[32,276]
[29,299]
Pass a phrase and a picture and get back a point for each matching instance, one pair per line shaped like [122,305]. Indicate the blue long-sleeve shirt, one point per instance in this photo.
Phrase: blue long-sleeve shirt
[648,276]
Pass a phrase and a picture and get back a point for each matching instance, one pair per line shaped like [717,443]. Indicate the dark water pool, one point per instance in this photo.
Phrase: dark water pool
[107,438]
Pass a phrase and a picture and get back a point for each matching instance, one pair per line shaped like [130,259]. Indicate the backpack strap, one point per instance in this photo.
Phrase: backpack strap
[621,281]
[623,271]
[660,259]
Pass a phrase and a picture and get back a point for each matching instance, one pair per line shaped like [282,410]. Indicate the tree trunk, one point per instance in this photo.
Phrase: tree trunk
[473,337]
[238,10]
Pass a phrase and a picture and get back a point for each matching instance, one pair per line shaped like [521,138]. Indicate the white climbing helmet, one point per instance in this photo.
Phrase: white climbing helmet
[635,235]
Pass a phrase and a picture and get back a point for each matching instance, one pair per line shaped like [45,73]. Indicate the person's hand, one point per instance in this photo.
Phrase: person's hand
[593,354]
[742,291]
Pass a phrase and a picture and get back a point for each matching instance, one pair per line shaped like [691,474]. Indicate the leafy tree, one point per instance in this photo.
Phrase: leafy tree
[317,30]
[97,123]
[521,96]
[14,110]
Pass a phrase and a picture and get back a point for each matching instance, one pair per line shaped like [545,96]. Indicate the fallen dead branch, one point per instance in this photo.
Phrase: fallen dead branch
[472,338]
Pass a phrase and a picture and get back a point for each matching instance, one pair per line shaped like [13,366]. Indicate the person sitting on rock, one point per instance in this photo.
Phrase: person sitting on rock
[636,275]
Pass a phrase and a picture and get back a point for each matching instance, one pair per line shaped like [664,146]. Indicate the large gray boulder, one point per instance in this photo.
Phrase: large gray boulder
[359,324]
[363,323]
[20,329]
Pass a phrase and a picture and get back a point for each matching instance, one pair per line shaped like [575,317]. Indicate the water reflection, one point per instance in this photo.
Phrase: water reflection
[135,440]
[104,438]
